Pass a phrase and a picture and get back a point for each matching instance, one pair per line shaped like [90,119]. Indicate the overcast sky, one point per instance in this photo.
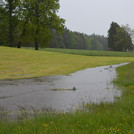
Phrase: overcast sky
[95,16]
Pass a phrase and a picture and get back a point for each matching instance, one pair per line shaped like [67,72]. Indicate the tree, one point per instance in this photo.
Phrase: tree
[129,31]
[41,19]
[3,28]
[111,34]
[10,15]
[118,38]
[123,41]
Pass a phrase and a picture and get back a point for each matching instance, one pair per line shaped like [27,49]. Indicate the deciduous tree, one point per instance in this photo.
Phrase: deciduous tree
[119,38]
[41,16]
[9,19]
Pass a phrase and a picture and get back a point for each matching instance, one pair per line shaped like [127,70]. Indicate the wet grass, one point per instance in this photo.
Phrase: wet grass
[23,63]
[108,118]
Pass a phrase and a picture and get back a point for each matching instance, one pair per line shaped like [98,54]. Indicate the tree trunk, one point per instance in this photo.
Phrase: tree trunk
[37,24]
[22,34]
[19,44]
[36,40]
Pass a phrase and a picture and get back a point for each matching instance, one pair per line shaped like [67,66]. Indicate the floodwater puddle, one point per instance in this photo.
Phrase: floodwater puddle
[94,86]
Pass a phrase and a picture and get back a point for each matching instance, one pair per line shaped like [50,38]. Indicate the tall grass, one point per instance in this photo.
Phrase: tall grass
[108,118]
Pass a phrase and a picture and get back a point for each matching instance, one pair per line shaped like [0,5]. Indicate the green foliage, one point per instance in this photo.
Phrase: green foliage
[3,26]
[8,21]
[41,18]
[111,34]
[29,22]
[129,31]
[33,23]
[123,40]
[119,38]
[76,40]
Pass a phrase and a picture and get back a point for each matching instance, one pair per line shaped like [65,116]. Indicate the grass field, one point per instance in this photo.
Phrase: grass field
[113,118]
[23,63]
[110,118]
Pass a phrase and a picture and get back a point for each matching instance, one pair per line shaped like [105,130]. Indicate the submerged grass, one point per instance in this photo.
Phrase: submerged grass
[108,118]
[63,89]
[22,63]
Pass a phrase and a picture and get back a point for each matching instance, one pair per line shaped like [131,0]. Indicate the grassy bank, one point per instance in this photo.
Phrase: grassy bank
[22,63]
[116,118]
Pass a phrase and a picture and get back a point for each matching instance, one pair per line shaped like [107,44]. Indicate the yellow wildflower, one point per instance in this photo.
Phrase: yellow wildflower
[45,125]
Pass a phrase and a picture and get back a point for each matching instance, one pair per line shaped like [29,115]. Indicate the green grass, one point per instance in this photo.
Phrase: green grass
[113,118]
[90,52]
[23,63]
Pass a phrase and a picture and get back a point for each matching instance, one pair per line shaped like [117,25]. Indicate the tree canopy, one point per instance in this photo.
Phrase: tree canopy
[29,21]
[76,40]
[119,38]
[8,21]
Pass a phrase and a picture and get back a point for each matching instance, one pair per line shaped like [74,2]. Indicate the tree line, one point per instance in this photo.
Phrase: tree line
[119,39]
[35,23]
[77,40]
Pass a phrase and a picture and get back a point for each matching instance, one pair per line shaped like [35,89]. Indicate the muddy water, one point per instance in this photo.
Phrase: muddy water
[92,85]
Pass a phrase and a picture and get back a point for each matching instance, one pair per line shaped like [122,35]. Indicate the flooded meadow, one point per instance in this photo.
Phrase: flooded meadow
[92,85]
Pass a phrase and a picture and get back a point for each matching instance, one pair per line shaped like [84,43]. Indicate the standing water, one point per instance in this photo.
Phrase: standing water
[93,85]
